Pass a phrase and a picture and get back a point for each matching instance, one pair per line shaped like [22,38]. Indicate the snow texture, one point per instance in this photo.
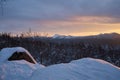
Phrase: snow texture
[17,70]
[83,69]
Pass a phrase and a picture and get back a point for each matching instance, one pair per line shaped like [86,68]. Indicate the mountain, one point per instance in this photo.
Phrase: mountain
[57,36]
[103,36]
[99,36]
[108,35]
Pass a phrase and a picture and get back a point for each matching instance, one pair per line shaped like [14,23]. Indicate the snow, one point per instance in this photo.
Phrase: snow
[16,70]
[82,69]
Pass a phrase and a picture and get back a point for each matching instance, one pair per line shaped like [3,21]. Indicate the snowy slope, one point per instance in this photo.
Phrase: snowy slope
[83,69]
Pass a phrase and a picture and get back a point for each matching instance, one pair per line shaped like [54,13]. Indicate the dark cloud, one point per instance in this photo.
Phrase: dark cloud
[60,9]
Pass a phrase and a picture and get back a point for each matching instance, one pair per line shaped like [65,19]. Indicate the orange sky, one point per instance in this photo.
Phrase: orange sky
[82,26]
[75,26]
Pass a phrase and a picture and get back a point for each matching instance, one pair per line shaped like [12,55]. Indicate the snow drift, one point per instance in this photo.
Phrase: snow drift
[83,69]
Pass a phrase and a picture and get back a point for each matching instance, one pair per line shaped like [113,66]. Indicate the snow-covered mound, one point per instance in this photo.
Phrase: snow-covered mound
[83,69]
[16,69]
[12,68]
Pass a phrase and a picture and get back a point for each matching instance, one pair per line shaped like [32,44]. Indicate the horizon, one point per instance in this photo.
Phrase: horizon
[44,34]
[75,18]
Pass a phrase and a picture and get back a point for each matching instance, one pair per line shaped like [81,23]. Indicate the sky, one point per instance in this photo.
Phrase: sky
[65,17]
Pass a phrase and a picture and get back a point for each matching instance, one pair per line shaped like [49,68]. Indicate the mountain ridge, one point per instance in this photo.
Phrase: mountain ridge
[101,35]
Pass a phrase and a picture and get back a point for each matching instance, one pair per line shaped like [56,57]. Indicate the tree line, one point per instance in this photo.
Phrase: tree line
[48,51]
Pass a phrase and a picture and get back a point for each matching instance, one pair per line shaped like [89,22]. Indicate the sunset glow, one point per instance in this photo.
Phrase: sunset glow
[82,26]
[77,18]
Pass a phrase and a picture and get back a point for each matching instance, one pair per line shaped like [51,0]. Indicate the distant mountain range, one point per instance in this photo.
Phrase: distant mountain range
[105,36]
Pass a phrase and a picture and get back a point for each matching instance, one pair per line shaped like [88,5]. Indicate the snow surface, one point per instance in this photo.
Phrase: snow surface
[17,70]
[82,69]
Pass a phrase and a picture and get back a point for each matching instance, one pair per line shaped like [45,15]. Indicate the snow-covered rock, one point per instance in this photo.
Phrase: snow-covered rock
[16,69]
[83,69]
[8,52]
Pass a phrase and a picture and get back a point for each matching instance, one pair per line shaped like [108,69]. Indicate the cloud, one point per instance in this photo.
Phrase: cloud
[60,15]
[60,9]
